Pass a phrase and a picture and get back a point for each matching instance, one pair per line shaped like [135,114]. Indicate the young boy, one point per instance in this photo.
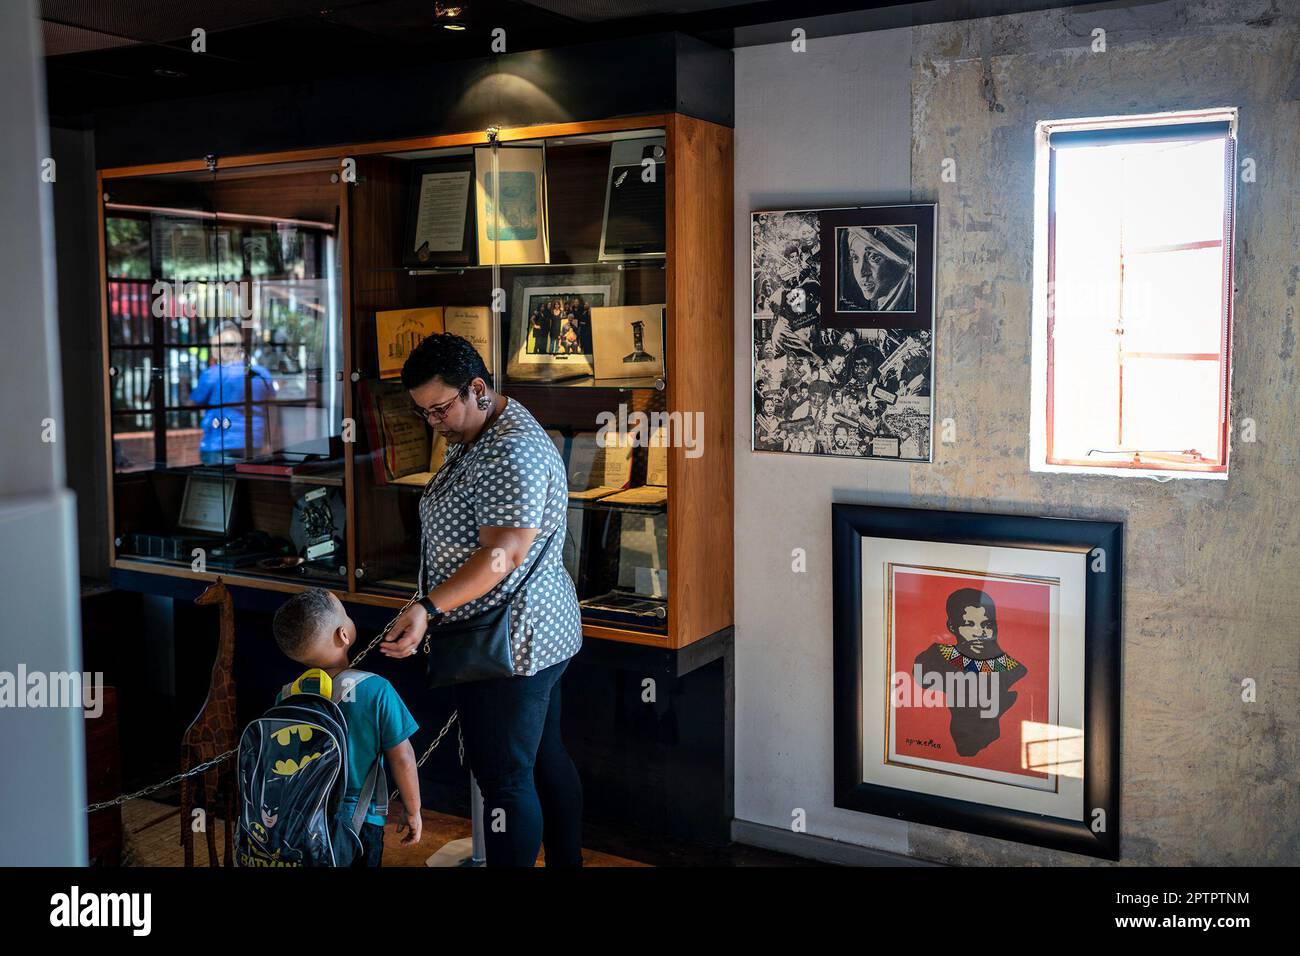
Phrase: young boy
[313,629]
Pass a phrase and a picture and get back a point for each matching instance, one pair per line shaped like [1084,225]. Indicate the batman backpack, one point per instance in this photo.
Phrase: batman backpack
[293,773]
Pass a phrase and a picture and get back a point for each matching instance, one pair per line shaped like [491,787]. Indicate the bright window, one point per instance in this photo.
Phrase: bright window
[1132,312]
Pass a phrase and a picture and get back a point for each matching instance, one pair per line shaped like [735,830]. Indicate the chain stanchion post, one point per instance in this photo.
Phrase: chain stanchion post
[478,849]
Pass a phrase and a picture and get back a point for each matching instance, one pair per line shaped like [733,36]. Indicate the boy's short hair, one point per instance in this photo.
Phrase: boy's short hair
[301,618]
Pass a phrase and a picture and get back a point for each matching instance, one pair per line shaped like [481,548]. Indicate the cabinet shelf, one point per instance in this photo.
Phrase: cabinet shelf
[624,265]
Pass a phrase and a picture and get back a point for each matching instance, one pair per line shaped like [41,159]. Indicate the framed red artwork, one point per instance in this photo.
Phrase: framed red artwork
[972,673]
[977,673]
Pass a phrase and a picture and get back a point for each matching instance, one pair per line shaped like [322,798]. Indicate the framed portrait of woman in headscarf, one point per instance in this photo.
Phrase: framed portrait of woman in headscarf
[878,267]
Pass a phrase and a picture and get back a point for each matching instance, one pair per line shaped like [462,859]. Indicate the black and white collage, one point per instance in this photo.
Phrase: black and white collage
[843,332]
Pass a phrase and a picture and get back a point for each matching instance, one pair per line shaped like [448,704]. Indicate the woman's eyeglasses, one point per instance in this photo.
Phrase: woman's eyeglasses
[437,412]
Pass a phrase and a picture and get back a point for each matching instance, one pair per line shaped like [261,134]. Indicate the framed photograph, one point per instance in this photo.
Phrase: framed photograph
[550,325]
[977,673]
[859,392]
[879,265]
[634,223]
[206,504]
[184,248]
[511,226]
[399,331]
[440,213]
[628,341]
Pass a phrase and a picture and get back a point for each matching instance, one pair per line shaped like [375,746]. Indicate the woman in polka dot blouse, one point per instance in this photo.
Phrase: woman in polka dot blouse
[486,518]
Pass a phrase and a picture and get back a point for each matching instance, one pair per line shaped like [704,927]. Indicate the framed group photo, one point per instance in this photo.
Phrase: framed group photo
[551,337]
[977,673]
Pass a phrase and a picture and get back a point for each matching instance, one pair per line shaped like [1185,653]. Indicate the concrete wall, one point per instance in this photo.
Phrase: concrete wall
[1212,584]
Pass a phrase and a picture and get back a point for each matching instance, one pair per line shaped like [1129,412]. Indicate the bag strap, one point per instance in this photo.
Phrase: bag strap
[376,784]
[347,680]
[536,562]
[519,588]
[325,686]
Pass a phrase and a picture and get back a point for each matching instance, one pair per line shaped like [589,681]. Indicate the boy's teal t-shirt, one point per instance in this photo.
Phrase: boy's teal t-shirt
[377,720]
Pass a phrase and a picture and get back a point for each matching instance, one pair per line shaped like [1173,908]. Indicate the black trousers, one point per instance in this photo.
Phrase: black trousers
[531,790]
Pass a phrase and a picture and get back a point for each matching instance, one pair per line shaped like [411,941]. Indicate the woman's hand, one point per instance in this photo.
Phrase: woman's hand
[407,632]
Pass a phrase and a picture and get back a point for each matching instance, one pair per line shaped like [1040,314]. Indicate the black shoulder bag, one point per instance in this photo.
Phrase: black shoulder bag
[478,647]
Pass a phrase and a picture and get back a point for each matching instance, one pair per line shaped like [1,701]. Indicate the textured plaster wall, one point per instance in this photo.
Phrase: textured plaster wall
[1212,568]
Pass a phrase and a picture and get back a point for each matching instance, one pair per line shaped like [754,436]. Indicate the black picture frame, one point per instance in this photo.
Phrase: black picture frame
[1101,662]
[418,169]
[901,232]
[634,224]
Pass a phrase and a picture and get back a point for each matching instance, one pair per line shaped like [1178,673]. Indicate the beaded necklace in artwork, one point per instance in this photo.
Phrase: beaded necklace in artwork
[1003,662]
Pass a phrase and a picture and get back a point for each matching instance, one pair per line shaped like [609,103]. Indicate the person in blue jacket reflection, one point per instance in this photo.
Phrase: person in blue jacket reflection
[220,390]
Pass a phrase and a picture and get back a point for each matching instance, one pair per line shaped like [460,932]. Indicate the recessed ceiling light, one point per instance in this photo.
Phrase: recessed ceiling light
[452,16]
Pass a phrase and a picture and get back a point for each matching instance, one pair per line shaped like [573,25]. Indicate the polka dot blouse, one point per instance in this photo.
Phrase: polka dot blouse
[510,477]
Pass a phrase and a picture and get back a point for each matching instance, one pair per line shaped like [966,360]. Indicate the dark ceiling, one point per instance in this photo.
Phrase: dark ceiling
[108,54]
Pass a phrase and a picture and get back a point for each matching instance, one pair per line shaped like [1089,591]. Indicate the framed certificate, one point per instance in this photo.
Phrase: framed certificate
[206,504]
[440,213]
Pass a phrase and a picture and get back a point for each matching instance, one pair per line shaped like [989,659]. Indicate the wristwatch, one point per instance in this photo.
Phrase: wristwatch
[431,608]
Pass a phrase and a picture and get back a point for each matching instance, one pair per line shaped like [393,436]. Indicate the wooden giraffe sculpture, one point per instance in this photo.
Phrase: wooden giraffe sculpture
[213,732]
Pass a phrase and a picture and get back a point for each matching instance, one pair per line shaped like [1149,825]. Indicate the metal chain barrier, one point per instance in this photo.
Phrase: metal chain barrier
[388,627]
[170,781]
[209,764]
[392,797]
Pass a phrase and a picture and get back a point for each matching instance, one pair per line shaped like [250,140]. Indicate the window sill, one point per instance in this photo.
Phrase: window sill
[1158,474]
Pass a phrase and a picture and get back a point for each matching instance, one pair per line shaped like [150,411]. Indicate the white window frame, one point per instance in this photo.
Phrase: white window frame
[1039,323]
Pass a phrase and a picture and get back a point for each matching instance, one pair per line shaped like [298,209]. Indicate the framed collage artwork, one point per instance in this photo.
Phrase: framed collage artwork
[843,332]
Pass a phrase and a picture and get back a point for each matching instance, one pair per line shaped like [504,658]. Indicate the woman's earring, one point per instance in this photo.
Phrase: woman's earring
[484,403]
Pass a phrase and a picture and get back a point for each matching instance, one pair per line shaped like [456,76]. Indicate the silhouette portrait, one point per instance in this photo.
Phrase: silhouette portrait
[972,622]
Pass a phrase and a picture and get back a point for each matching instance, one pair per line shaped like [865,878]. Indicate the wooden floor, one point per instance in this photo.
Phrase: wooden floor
[152,838]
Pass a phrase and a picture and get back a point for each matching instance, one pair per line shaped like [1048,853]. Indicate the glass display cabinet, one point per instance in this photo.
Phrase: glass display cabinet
[224,329]
[259,421]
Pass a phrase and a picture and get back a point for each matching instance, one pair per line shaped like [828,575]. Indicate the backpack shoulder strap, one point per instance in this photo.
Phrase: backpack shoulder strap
[347,680]
[375,788]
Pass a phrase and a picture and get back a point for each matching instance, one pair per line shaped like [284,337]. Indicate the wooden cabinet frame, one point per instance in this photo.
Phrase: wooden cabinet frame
[699,369]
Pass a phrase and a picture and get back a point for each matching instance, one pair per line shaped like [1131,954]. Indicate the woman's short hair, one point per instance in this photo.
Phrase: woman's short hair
[446,356]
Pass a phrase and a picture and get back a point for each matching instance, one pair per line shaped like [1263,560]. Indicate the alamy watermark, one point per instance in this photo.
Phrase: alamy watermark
[651,430]
[32,689]
[961,689]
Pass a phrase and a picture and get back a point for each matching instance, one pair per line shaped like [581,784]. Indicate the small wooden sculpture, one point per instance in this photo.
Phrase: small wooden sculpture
[213,732]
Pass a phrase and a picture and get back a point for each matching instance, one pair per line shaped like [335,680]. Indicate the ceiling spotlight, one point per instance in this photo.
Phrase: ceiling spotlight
[452,16]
